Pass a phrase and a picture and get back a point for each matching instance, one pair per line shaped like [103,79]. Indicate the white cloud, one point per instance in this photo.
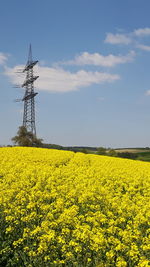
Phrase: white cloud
[143,47]
[97,59]
[3,58]
[117,39]
[148,92]
[142,32]
[131,37]
[59,80]
[12,73]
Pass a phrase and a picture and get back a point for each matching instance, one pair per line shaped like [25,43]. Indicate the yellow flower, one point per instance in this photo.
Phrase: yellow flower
[60,207]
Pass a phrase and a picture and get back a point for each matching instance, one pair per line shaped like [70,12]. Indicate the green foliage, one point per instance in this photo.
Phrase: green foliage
[52,146]
[127,155]
[144,156]
[84,150]
[26,138]
[112,153]
[101,151]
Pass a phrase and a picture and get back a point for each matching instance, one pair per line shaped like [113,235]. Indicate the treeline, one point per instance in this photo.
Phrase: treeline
[114,153]
[26,138]
[94,150]
[84,149]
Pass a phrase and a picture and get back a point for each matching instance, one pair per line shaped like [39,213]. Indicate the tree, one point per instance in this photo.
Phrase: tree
[26,138]
[84,150]
[101,151]
[128,155]
[112,153]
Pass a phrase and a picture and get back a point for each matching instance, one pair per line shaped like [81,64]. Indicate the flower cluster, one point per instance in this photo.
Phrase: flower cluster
[60,208]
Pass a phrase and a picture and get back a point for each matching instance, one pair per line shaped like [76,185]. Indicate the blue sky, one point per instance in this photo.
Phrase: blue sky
[94,68]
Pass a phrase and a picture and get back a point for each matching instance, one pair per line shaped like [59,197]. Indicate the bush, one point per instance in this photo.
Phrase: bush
[112,153]
[101,151]
[127,155]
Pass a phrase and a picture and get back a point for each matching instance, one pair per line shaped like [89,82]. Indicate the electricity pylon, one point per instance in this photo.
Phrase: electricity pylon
[28,99]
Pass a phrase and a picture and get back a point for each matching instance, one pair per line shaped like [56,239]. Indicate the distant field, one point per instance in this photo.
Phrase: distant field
[142,154]
[132,150]
[145,156]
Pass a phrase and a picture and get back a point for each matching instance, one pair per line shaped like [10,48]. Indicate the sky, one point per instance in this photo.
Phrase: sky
[94,70]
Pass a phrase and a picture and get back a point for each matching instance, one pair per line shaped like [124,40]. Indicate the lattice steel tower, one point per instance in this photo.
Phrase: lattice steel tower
[28,99]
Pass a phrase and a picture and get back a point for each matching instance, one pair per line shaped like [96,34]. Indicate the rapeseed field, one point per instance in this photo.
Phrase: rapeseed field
[61,208]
